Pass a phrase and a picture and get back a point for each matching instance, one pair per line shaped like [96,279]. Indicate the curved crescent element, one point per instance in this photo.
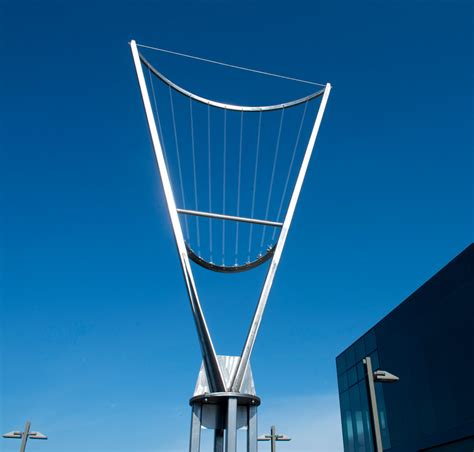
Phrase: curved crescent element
[213,103]
[227,268]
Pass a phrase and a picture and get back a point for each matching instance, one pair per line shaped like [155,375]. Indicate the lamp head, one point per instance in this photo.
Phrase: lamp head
[382,376]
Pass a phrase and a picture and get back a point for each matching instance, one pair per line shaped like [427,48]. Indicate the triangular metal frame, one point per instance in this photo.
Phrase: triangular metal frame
[211,363]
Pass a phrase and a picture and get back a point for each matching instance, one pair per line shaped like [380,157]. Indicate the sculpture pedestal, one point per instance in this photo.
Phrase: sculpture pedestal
[224,412]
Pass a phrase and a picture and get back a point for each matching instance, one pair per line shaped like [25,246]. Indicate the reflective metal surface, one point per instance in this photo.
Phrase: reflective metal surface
[207,347]
[230,268]
[228,366]
[230,217]
[203,100]
[257,319]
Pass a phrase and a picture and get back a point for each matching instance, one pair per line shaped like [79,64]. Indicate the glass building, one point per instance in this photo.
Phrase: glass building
[428,341]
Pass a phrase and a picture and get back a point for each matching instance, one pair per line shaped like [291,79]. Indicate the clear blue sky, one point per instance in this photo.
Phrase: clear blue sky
[97,340]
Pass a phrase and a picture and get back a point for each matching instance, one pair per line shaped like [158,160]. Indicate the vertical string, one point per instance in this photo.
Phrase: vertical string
[179,161]
[273,176]
[291,166]
[223,185]
[194,175]
[255,181]
[209,173]
[160,131]
[238,186]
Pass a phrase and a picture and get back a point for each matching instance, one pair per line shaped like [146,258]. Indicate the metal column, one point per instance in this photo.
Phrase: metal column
[231,437]
[195,439]
[252,429]
[219,440]
[24,436]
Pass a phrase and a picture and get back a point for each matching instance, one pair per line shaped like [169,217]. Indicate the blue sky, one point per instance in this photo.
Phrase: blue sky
[98,346]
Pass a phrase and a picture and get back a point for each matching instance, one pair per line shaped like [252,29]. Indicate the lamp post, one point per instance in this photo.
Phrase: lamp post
[379,376]
[25,435]
[273,437]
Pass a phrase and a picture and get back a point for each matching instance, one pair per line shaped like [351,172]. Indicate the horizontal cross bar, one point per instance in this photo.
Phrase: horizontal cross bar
[229,217]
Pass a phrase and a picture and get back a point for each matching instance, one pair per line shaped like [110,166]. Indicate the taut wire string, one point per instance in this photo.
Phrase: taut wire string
[232,66]
[194,173]
[238,185]
[179,161]
[273,175]
[160,131]
[223,185]
[255,180]
[291,166]
[209,167]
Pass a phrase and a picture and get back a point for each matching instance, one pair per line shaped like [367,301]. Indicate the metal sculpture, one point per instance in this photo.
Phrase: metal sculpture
[224,398]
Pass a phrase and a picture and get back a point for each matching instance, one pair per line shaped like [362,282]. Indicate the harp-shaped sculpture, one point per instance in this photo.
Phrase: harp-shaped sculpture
[225,398]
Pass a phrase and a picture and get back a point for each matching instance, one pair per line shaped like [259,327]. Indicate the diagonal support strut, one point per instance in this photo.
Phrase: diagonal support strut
[213,370]
[257,318]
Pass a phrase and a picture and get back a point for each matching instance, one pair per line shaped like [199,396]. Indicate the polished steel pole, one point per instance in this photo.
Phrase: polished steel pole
[24,436]
[274,438]
[376,433]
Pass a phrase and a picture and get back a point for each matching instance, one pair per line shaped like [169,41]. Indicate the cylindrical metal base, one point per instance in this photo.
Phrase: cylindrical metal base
[225,413]
[221,398]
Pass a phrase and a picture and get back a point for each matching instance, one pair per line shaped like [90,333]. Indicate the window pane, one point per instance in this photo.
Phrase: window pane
[364,403]
[369,340]
[352,376]
[345,408]
[375,360]
[360,371]
[350,357]
[342,380]
[359,348]
[350,432]
[382,416]
[340,364]
[357,422]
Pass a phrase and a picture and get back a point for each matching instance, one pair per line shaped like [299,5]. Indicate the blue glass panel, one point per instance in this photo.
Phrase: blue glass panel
[349,431]
[340,364]
[382,416]
[357,421]
[345,408]
[350,357]
[370,342]
[342,381]
[360,371]
[364,403]
[359,348]
[375,360]
[352,376]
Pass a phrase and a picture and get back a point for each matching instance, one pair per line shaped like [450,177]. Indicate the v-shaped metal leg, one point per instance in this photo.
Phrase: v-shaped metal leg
[208,352]
[213,369]
[252,429]
[257,318]
[218,386]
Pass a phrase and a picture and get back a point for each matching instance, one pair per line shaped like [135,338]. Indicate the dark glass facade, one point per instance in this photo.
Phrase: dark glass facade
[428,341]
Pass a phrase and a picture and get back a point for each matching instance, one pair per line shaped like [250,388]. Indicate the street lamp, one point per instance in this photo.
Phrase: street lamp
[25,435]
[379,376]
[273,437]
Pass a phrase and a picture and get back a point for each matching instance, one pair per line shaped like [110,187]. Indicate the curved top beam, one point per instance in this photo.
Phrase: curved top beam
[221,105]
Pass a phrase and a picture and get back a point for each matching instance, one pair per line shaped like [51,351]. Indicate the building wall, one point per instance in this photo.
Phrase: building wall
[428,341]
